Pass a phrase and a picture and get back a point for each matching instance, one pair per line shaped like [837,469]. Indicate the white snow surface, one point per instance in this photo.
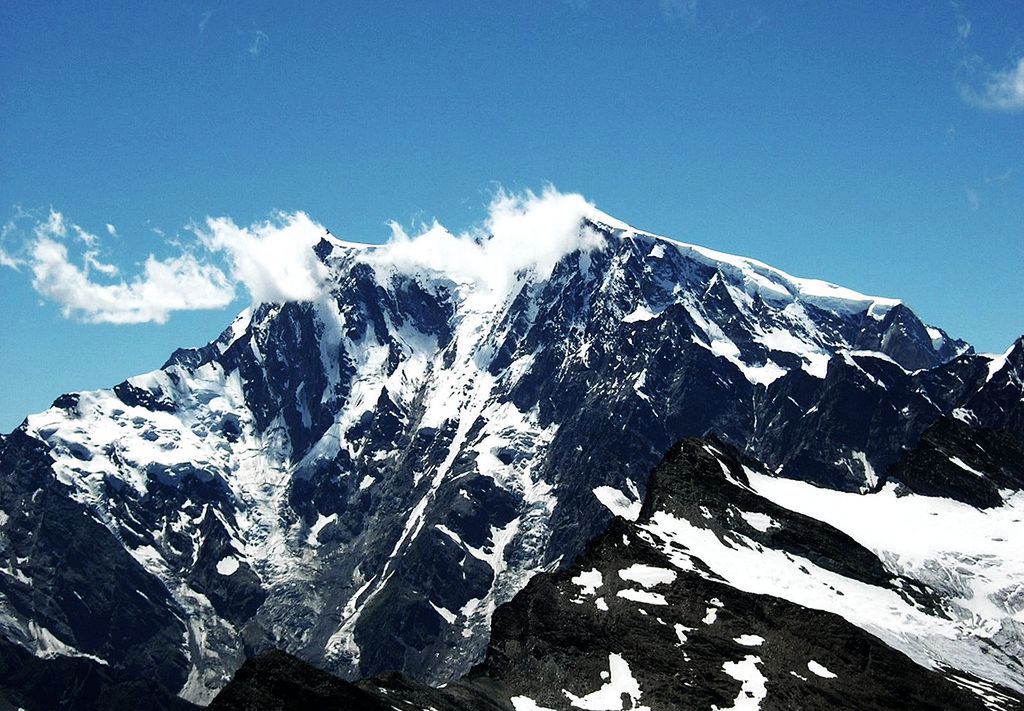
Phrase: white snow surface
[445,613]
[997,363]
[227,565]
[975,556]
[589,581]
[525,703]
[642,596]
[648,576]
[820,670]
[609,697]
[640,313]
[759,521]
[753,684]
[618,503]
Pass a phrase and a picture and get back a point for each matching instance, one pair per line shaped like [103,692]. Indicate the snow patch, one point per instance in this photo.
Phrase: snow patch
[681,631]
[227,565]
[321,523]
[589,581]
[620,682]
[647,576]
[753,684]
[998,363]
[640,313]
[642,596]
[759,521]
[819,670]
[963,465]
[618,503]
[445,613]
[525,703]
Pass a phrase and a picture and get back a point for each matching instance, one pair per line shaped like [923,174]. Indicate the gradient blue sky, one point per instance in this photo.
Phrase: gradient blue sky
[878,145]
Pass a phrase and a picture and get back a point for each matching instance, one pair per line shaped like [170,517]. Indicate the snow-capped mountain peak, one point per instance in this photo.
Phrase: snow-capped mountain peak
[451,398]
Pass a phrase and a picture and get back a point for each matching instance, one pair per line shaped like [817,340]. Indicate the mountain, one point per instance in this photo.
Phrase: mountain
[660,613]
[363,479]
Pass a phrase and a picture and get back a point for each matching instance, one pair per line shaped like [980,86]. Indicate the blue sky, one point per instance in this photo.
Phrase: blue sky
[878,145]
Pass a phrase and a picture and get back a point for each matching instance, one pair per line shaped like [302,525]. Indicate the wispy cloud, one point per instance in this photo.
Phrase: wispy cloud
[521,231]
[963,25]
[681,10]
[91,259]
[259,39]
[204,20]
[181,283]
[675,10]
[1000,178]
[273,259]
[7,234]
[963,28]
[973,198]
[1001,90]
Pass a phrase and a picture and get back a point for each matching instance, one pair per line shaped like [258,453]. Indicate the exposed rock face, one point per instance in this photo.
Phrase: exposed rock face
[936,466]
[363,479]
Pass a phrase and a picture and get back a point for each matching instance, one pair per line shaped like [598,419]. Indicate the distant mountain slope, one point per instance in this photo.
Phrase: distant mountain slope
[364,478]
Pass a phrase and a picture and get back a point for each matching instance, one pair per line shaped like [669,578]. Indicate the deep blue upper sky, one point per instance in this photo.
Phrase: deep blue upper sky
[878,145]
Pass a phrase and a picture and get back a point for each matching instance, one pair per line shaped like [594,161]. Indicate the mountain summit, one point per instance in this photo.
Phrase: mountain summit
[363,477]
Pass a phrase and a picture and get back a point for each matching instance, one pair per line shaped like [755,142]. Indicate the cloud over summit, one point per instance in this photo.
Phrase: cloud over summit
[521,231]
[275,261]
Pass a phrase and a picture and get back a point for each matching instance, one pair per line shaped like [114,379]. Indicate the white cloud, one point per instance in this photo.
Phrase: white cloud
[274,259]
[685,10]
[6,260]
[111,230]
[92,261]
[973,198]
[54,225]
[1002,91]
[963,27]
[259,38]
[525,231]
[9,228]
[276,262]
[87,238]
[176,284]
